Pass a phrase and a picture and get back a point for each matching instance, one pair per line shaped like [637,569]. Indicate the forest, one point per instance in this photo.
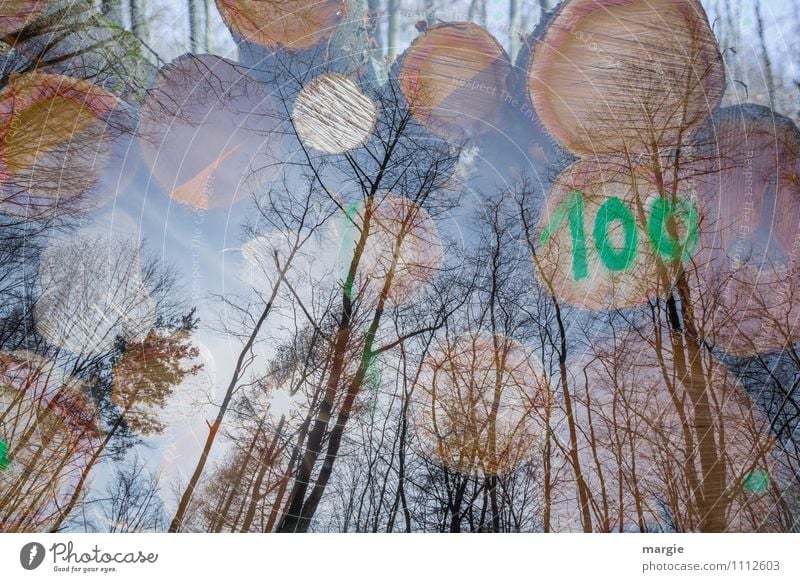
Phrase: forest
[399,266]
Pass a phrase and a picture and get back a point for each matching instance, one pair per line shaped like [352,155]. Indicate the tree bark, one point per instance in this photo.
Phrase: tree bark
[112,9]
[514,25]
[266,463]
[391,27]
[769,77]
[138,19]
[197,29]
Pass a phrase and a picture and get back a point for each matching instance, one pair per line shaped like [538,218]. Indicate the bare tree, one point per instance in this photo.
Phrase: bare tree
[296,221]
[132,503]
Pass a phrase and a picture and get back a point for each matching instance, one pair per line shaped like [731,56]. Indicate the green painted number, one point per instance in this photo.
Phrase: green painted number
[613,210]
[4,460]
[571,208]
[663,213]
[663,242]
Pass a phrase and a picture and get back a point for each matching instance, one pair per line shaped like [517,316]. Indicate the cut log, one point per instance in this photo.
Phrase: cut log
[453,77]
[288,24]
[70,38]
[290,43]
[481,405]
[51,429]
[626,76]
[503,136]
[88,320]
[331,114]
[747,274]
[403,240]
[56,136]
[606,236]
[209,132]
[746,170]
[17,14]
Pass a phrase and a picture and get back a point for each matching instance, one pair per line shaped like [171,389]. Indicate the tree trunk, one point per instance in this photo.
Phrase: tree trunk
[391,27]
[219,522]
[514,25]
[138,19]
[293,520]
[266,463]
[547,477]
[770,79]
[374,17]
[197,29]
[713,503]
[112,9]
[208,34]
[583,490]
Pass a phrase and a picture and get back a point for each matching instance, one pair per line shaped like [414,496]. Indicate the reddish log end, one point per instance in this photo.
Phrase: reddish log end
[747,272]
[208,132]
[453,77]
[289,24]
[595,241]
[54,140]
[626,76]
[17,14]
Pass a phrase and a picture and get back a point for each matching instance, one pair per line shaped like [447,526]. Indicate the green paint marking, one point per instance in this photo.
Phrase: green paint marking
[372,378]
[373,373]
[662,214]
[571,208]
[352,211]
[613,210]
[349,240]
[756,481]
[4,460]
